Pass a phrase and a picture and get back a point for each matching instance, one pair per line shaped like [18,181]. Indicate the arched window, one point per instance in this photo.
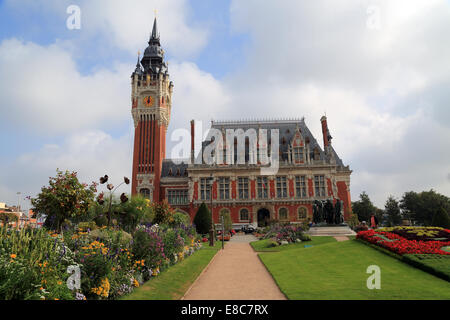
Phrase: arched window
[244,215]
[302,213]
[145,193]
[283,214]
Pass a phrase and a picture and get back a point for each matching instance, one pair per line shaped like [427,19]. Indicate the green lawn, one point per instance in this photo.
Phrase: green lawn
[262,245]
[173,282]
[337,270]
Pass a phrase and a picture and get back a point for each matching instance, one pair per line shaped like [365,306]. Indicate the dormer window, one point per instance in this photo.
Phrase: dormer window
[298,154]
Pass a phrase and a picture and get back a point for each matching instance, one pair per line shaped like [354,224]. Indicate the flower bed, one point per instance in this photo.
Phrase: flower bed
[34,264]
[394,242]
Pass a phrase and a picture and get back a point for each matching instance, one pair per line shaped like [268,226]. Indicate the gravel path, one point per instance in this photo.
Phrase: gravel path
[235,273]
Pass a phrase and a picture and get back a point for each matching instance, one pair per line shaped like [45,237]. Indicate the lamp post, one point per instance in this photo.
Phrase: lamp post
[211,230]
[18,201]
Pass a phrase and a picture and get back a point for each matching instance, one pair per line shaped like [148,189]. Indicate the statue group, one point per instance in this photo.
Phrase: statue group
[324,211]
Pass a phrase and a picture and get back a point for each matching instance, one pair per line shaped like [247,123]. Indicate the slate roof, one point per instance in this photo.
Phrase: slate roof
[287,129]
[173,169]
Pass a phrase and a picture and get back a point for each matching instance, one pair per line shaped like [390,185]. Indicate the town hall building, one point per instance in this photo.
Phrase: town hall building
[306,172]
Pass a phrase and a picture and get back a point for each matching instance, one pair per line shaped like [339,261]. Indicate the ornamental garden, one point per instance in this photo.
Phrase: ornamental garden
[99,246]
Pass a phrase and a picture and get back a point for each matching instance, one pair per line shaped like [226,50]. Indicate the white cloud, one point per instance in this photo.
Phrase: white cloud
[92,154]
[122,24]
[42,88]
[382,90]
[129,23]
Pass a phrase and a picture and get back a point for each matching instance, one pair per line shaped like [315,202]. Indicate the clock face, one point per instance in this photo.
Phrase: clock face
[148,101]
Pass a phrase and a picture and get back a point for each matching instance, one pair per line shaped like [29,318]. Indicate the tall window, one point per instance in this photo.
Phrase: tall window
[263,187]
[205,188]
[224,188]
[243,188]
[300,186]
[177,196]
[244,215]
[281,187]
[319,183]
[302,213]
[298,154]
[283,214]
[145,193]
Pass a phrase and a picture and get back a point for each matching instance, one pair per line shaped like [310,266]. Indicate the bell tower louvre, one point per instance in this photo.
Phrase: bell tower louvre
[151,98]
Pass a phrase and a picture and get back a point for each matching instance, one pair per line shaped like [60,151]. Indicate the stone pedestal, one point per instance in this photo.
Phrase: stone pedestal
[334,230]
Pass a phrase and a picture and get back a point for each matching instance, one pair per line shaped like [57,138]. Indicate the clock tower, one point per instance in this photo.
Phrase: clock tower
[151,99]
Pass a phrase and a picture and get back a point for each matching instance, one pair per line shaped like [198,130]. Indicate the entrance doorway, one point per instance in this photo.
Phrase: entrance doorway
[263,217]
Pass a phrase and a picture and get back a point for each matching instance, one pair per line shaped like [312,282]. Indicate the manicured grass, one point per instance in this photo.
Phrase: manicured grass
[176,280]
[439,265]
[262,245]
[337,270]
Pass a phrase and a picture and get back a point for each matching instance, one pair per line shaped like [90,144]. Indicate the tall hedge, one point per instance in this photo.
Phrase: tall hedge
[202,219]
[441,219]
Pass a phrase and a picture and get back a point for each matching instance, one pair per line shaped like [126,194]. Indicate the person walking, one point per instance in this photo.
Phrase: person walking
[373,221]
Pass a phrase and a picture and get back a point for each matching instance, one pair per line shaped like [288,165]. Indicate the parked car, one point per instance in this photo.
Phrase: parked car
[248,229]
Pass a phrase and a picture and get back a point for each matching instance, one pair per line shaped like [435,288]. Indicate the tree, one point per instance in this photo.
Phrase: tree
[421,207]
[7,217]
[392,210]
[64,198]
[441,219]
[228,224]
[363,207]
[202,219]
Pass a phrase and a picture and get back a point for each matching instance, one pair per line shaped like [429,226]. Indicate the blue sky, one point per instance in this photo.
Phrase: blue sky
[64,94]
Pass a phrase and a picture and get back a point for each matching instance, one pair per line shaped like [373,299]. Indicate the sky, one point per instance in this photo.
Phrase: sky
[379,70]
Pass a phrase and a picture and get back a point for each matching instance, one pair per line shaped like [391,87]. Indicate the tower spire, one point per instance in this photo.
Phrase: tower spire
[154,38]
[138,69]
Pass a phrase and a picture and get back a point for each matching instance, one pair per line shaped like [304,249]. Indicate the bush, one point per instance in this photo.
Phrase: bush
[173,243]
[180,218]
[163,213]
[305,237]
[228,224]
[33,265]
[202,219]
[289,233]
[441,219]
[138,210]
[148,245]
[113,238]
[64,198]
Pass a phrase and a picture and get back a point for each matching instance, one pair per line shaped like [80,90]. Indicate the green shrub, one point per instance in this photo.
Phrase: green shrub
[202,219]
[305,237]
[33,265]
[173,243]
[441,219]
[181,218]
[228,224]
[113,238]
[272,243]
[148,245]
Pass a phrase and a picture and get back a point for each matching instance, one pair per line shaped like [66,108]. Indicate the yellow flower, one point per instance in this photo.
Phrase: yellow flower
[59,282]
[13,256]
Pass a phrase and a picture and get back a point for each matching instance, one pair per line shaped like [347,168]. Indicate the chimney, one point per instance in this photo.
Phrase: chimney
[325,133]
[192,141]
